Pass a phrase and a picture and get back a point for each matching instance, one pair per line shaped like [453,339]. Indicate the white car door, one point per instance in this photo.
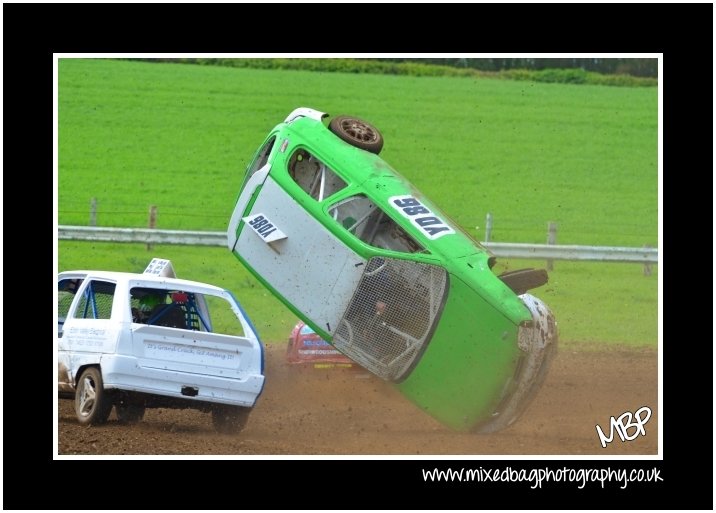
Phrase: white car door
[299,258]
[89,330]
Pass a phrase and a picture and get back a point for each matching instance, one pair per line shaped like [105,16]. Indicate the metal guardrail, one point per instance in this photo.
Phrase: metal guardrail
[574,253]
[500,249]
[143,235]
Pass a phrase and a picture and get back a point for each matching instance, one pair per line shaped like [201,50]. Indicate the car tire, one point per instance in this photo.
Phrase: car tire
[92,403]
[357,132]
[229,419]
[506,419]
[542,342]
[129,411]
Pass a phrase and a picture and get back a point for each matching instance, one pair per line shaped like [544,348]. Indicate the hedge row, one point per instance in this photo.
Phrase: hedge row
[568,76]
[577,76]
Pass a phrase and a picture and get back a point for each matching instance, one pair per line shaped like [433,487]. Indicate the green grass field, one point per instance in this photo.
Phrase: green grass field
[134,134]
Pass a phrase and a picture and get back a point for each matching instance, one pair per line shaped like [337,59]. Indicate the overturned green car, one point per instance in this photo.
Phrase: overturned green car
[376,269]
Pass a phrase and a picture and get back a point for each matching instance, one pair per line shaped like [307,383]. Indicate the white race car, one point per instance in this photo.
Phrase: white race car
[133,341]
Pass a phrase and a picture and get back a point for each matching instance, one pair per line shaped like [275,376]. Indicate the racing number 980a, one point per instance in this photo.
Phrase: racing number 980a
[267,230]
[262,226]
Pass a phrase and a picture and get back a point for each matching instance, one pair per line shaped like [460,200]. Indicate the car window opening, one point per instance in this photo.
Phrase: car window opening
[313,176]
[66,290]
[262,156]
[391,315]
[173,309]
[364,219]
[96,301]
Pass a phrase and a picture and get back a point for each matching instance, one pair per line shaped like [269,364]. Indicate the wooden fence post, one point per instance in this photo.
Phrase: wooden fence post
[93,212]
[152,222]
[488,227]
[551,239]
[647,265]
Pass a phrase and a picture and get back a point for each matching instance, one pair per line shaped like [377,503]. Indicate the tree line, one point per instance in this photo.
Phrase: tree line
[638,67]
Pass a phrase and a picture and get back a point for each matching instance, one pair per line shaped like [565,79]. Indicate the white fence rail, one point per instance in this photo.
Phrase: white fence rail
[574,253]
[143,235]
[500,249]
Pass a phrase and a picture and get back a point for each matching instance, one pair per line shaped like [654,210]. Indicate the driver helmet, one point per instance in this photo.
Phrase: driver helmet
[148,302]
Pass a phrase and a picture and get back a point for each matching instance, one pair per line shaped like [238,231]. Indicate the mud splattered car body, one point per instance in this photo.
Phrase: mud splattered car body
[375,268]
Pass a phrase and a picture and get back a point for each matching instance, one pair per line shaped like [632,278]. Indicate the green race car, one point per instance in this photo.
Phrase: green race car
[376,269]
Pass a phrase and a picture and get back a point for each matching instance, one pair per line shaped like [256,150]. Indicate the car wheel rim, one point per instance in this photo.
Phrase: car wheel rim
[359,131]
[87,397]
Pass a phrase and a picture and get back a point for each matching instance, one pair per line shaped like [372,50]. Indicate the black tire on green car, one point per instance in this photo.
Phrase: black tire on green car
[357,132]
[92,403]
[229,419]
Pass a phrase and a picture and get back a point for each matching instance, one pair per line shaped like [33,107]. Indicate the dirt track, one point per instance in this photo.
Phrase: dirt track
[313,412]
